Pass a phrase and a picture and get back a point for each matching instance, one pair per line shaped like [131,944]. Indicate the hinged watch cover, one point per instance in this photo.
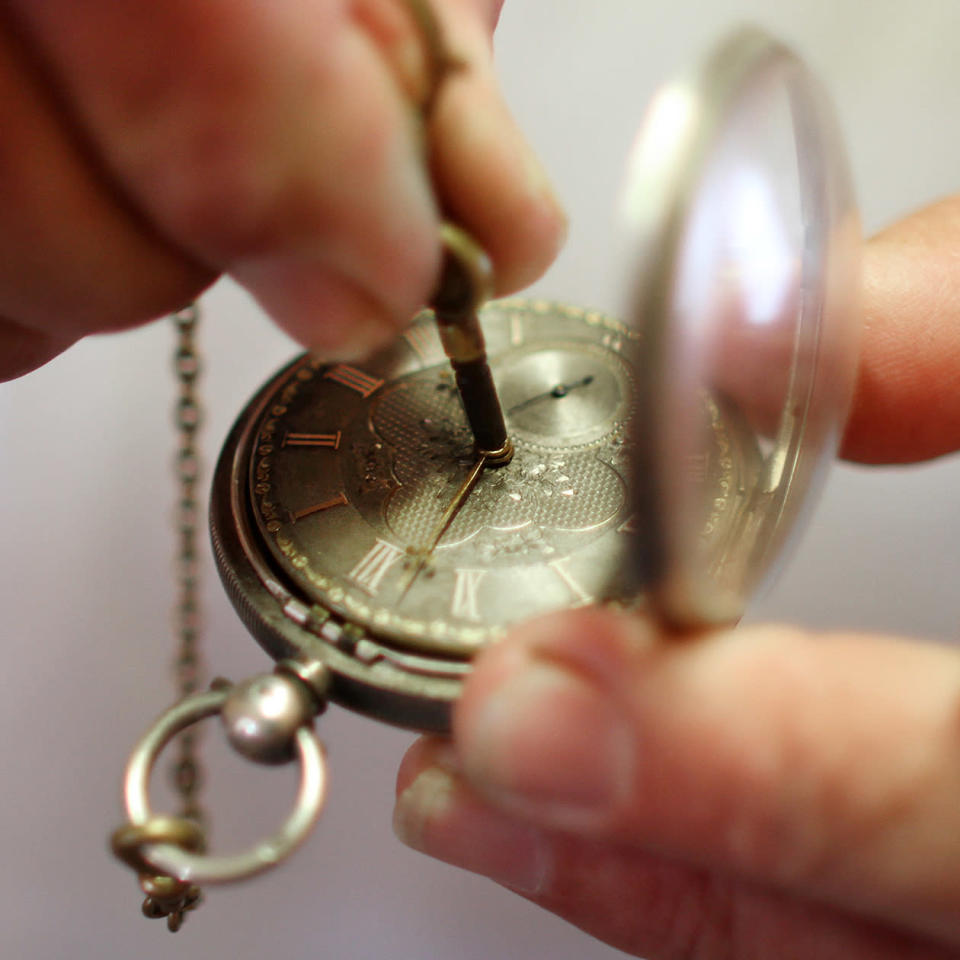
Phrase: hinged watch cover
[741,261]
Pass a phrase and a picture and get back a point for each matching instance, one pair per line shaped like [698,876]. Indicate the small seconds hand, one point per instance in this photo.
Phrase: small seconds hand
[560,390]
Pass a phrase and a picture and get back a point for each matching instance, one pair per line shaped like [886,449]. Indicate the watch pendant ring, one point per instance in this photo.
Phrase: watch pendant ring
[170,860]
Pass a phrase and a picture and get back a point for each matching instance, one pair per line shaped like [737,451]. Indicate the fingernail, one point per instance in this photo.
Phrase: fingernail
[438,816]
[426,802]
[551,743]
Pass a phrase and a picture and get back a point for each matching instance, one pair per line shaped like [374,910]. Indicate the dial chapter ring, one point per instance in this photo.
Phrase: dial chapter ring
[200,868]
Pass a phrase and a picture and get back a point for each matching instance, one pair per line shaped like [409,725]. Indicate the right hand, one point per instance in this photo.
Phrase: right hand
[767,792]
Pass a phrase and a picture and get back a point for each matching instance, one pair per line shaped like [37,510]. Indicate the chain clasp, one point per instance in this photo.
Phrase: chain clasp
[268,719]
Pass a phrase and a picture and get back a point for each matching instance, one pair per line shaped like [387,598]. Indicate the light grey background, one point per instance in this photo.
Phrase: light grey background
[86,540]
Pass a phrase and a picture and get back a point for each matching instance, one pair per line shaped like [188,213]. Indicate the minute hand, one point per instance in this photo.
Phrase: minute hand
[424,553]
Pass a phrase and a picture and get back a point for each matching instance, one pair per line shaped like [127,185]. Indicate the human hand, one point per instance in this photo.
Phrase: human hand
[149,147]
[752,793]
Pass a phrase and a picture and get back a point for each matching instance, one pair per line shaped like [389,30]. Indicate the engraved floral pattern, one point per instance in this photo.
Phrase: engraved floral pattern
[541,495]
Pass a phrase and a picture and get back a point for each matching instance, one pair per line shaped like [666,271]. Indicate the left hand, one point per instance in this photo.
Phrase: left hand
[150,146]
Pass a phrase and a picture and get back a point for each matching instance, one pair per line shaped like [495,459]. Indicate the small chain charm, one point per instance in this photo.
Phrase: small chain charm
[169,898]
[166,896]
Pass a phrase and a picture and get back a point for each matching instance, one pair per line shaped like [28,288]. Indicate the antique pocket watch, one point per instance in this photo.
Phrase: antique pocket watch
[376,524]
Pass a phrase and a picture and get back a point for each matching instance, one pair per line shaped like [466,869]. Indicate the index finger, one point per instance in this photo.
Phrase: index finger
[906,404]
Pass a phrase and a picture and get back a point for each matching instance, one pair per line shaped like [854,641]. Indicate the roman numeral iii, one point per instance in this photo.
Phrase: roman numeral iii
[353,379]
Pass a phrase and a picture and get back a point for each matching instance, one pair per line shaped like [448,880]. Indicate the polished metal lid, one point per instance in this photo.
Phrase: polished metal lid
[742,239]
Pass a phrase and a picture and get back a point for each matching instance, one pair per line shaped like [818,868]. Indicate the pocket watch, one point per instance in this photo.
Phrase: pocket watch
[376,524]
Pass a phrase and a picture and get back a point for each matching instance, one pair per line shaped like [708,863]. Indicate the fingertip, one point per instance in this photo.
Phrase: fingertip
[424,803]
[544,729]
[488,176]
[905,405]
[437,814]
[493,182]
[23,349]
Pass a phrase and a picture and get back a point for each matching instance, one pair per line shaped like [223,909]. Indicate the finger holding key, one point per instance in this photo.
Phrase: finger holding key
[276,142]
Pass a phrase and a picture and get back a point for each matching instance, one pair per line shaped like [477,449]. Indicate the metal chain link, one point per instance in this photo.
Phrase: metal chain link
[186,774]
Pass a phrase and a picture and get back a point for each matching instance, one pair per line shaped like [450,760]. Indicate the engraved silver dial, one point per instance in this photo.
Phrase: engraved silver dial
[355,465]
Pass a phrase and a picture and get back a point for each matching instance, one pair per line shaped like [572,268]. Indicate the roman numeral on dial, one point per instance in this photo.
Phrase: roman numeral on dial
[340,500]
[374,565]
[465,591]
[354,379]
[420,340]
[560,569]
[331,440]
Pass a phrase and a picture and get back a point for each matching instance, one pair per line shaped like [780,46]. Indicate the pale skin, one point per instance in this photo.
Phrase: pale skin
[151,146]
[756,793]
[759,793]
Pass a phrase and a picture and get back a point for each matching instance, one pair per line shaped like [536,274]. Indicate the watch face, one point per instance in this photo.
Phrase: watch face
[354,467]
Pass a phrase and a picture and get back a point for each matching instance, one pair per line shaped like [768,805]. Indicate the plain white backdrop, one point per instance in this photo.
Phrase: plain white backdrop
[85,538]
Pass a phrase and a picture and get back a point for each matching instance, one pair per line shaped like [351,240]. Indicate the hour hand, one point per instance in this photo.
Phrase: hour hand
[465,283]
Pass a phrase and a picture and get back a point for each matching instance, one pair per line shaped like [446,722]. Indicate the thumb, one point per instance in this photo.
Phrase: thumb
[824,766]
